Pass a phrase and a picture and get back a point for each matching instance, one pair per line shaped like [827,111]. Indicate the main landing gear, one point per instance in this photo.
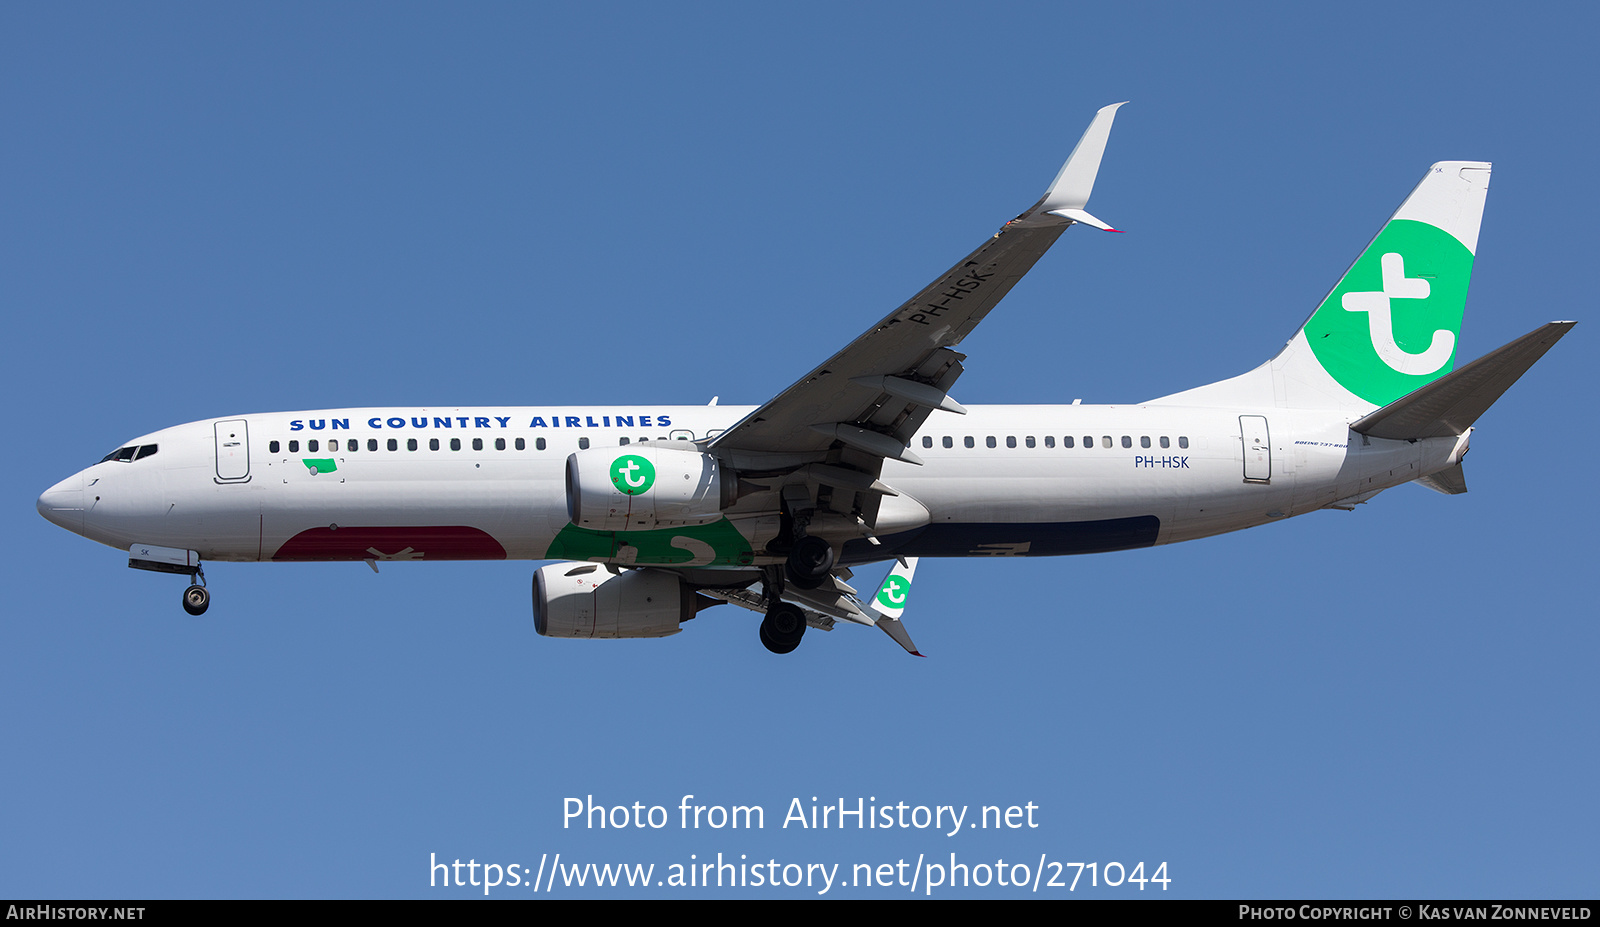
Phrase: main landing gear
[810,561]
[808,565]
[783,627]
[785,622]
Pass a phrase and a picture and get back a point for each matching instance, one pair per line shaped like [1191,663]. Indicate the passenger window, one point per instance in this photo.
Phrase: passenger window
[1105,440]
[294,447]
[948,441]
[455,444]
[372,444]
[583,444]
[1183,441]
[968,441]
[1088,441]
[272,447]
[538,444]
[311,446]
[1165,441]
[1029,441]
[352,445]
[1068,441]
[522,444]
[1127,441]
[499,444]
[393,444]
[411,444]
[989,441]
[622,441]
[433,444]
[477,444]
[1011,440]
[1144,441]
[1050,440]
[927,441]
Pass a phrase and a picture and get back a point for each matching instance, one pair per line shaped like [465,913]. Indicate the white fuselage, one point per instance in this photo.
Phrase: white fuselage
[489,483]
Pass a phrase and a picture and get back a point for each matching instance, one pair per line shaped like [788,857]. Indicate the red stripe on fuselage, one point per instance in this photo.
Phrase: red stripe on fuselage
[426,542]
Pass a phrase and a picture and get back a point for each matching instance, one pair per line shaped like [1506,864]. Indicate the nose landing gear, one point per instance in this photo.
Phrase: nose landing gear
[196,599]
[175,560]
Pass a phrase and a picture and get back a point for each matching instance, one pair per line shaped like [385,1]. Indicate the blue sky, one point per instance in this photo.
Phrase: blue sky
[220,210]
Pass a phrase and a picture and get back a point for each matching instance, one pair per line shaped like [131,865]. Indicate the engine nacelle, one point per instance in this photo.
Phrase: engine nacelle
[585,600]
[640,487]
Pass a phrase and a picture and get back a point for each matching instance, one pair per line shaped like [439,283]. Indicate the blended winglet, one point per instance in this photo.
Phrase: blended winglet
[1069,192]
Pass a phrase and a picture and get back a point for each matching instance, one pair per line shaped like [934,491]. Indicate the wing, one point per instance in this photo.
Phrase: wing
[864,404]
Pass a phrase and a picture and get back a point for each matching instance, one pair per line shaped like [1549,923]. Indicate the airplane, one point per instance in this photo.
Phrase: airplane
[654,513]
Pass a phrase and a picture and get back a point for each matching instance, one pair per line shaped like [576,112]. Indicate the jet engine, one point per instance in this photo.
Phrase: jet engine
[586,600]
[640,487]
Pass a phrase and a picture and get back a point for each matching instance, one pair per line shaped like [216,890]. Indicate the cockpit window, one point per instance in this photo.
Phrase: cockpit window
[130,453]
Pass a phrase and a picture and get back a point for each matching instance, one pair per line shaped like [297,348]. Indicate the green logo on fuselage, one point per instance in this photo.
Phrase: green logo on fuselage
[632,474]
[716,544]
[1390,326]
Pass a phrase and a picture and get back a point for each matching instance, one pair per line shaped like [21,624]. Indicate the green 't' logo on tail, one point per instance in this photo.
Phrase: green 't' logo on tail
[632,474]
[1390,326]
[894,592]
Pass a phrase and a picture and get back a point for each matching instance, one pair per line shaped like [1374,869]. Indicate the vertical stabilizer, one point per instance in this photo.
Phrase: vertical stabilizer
[1391,323]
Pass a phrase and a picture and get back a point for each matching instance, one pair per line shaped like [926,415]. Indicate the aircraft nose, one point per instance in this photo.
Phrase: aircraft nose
[62,504]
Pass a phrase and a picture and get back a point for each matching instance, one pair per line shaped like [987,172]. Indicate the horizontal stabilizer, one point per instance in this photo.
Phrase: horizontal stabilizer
[890,603]
[1451,482]
[1449,405]
[897,631]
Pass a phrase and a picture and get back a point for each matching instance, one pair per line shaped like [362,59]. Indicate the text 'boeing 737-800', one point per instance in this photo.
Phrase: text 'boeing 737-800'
[655,512]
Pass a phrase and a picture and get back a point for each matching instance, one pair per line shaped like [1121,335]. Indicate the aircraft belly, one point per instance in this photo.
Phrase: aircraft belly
[1018,539]
[1029,507]
[1222,501]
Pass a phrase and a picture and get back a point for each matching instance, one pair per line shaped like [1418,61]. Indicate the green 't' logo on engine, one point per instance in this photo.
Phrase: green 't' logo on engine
[1390,326]
[894,592]
[632,474]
